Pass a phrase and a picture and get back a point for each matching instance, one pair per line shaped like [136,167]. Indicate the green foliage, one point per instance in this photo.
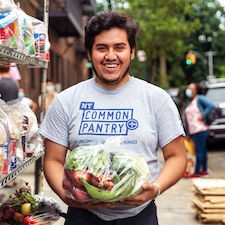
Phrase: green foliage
[209,37]
[169,29]
[163,29]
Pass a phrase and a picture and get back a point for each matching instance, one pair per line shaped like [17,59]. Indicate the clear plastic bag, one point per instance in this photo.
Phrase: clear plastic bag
[8,24]
[24,208]
[104,173]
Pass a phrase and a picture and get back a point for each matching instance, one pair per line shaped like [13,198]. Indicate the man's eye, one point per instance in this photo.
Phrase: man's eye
[101,48]
[119,47]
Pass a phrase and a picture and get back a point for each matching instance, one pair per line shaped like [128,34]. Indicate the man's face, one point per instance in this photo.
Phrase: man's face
[111,56]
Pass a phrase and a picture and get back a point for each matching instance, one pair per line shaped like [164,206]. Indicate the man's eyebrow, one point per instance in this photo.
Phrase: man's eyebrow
[122,43]
[102,44]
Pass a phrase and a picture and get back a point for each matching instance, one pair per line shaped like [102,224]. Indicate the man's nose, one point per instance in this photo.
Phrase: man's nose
[110,55]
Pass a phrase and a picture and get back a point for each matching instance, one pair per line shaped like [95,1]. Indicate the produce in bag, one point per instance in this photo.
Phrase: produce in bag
[24,208]
[98,173]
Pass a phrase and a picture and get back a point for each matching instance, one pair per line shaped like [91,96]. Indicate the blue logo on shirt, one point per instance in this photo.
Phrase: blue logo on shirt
[106,121]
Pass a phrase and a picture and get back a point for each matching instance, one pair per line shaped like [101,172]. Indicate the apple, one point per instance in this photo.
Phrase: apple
[26,209]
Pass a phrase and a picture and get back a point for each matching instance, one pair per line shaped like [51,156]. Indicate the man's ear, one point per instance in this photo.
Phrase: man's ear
[89,56]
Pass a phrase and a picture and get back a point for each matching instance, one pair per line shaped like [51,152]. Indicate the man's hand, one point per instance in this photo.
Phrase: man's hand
[149,191]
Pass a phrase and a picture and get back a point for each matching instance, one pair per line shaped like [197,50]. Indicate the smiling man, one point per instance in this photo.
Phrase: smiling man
[109,56]
[114,104]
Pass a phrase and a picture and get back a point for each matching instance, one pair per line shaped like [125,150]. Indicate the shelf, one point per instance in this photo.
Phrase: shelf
[14,173]
[10,55]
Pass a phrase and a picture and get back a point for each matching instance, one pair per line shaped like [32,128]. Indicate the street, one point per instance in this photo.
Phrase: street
[174,206]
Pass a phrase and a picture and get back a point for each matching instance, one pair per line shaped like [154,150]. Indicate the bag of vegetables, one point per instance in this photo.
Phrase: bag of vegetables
[98,173]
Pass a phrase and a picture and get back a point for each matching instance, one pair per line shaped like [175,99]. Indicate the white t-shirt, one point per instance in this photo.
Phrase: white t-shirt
[87,114]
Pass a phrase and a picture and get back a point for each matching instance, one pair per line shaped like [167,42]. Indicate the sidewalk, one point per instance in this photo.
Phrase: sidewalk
[174,206]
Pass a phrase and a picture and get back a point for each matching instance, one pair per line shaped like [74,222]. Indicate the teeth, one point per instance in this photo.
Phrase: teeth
[111,66]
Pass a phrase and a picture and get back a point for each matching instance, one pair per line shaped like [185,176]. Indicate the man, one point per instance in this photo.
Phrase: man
[8,87]
[153,122]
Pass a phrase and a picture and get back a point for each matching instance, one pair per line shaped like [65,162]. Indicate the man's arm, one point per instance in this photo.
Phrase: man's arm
[175,163]
[54,160]
[173,169]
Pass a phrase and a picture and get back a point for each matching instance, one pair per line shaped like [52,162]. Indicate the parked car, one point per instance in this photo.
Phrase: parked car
[214,90]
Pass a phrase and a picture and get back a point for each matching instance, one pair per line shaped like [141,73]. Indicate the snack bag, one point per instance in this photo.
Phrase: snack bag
[26,33]
[99,173]
[8,24]
[41,40]
[4,157]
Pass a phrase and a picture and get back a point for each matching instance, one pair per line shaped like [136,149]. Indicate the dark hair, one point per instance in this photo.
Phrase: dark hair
[108,20]
[4,68]
[199,88]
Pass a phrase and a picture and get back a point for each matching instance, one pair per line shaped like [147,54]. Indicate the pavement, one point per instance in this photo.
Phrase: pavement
[174,205]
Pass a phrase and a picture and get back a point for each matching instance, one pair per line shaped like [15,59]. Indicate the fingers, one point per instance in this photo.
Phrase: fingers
[147,186]
[149,191]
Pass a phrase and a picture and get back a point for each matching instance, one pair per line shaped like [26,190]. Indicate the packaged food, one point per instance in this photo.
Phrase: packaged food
[1,159]
[97,173]
[4,153]
[6,159]
[9,29]
[41,40]
[26,35]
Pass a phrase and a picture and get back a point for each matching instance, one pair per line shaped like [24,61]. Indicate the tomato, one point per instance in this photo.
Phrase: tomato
[18,217]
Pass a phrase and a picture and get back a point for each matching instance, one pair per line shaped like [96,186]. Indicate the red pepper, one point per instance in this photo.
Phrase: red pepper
[28,220]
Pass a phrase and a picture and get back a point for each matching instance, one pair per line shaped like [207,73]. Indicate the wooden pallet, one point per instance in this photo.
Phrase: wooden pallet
[209,200]
[209,186]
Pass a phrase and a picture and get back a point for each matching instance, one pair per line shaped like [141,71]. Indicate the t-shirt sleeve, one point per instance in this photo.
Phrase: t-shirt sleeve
[169,124]
[54,124]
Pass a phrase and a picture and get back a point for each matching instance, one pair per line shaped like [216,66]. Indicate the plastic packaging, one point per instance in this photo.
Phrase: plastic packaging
[41,40]
[23,138]
[26,32]
[4,138]
[8,24]
[24,208]
[23,32]
[104,173]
